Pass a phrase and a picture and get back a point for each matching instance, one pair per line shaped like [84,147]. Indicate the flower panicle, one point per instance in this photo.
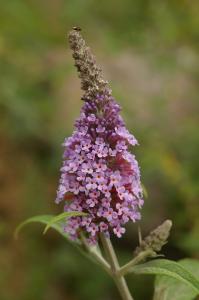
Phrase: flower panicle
[99,175]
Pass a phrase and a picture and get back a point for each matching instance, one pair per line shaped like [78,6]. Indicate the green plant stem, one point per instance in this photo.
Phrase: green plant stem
[140,257]
[112,258]
[96,255]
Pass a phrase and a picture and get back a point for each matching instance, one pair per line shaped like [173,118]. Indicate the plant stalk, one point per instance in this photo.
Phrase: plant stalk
[96,255]
[140,257]
[112,258]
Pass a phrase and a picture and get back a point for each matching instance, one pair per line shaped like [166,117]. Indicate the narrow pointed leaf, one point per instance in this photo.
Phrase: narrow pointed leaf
[46,220]
[61,217]
[43,219]
[168,268]
[49,221]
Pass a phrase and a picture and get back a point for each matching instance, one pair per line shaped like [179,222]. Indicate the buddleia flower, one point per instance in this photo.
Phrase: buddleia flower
[99,175]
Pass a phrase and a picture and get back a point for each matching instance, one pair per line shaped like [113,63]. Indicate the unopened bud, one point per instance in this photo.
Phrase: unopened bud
[156,238]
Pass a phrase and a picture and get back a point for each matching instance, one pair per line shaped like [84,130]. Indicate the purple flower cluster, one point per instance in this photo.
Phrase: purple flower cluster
[99,175]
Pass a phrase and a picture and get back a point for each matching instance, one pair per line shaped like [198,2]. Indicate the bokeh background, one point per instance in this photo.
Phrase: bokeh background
[149,53]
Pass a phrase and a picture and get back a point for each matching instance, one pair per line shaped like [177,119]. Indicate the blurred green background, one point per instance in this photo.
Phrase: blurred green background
[149,53]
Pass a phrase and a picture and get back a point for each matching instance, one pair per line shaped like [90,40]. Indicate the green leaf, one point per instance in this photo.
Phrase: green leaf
[167,288]
[168,268]
[43,219]
[48,220]
[62,216]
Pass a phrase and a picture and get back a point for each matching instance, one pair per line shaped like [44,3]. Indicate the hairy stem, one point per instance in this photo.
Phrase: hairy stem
[112,258]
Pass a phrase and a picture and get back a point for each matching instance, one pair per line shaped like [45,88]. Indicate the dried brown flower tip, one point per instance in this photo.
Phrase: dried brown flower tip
[156,238]
[92,81]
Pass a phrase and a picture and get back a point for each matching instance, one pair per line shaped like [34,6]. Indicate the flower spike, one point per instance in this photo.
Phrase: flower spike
[99,175]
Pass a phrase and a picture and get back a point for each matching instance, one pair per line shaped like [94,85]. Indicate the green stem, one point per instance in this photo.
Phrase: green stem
[112,258]
[95,255]
[140,257]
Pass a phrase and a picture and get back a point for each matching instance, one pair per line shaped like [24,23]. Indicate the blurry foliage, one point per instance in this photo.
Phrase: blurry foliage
[149,52]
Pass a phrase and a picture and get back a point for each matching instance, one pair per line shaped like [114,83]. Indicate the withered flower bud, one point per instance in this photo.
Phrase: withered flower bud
[92,81]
